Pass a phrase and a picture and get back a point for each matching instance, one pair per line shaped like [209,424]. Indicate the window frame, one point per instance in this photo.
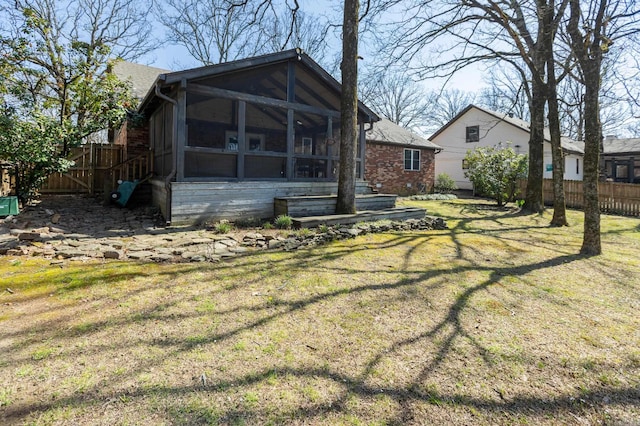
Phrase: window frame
[413,161]
[231,141]
[472,134]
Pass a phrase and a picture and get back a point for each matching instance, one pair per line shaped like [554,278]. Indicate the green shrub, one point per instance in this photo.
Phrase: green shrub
[283,222]
[494,172]
[445,184]
[222,227]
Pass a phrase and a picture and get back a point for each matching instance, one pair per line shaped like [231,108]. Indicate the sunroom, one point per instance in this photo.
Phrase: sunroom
[227,139]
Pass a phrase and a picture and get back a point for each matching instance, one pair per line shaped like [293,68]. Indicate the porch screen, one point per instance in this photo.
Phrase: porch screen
[209,120]
[316,144]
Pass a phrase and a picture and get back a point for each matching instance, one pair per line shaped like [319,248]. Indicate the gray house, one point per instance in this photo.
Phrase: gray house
[227,139]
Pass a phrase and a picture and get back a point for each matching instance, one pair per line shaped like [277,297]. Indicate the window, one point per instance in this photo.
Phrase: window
[465,164]
[412,159]
[254,142]
[307,145]
[577,166]
[473,133]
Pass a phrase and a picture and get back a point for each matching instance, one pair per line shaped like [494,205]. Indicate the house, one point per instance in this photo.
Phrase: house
[477,127]
[621,159]
[398,161]
[228,139]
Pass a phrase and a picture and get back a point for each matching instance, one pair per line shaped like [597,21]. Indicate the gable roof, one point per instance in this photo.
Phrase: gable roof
[612,146]
[141,77]
[386,131]
[248,64]
[568,144]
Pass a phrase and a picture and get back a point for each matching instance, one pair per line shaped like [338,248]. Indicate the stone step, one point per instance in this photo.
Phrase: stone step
[395,213]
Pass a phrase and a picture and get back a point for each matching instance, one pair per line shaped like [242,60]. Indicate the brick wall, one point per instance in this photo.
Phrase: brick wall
[384,165]
[134,138]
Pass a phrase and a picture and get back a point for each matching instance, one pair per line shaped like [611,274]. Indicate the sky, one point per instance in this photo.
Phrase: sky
[174,57]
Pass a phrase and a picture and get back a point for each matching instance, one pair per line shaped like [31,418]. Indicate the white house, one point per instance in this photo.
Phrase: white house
[478,127]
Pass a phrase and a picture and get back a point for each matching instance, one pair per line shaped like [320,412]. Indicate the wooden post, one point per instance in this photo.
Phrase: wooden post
[181,129]
[242,137]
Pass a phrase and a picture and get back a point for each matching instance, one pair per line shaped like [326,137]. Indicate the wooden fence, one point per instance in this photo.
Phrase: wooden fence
[614,197]
[97,169]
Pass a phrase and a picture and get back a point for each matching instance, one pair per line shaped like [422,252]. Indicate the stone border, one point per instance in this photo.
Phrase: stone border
[193,246]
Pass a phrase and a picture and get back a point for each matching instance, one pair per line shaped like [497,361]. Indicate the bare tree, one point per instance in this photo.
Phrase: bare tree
[287,31]
[397,97]
[212,31]
[593,28]
[447,104]
[512,33]
[507,93]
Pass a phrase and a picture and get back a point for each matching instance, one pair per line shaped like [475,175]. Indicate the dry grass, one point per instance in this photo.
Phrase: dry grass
[495,321]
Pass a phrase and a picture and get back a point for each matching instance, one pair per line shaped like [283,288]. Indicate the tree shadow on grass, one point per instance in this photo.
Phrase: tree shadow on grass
[450,328]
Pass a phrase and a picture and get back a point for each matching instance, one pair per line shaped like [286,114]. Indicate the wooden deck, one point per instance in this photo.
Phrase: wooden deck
[395,213]
[323,205]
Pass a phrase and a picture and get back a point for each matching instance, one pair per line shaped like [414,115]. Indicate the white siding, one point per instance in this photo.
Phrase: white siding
[454,145]
[493,131]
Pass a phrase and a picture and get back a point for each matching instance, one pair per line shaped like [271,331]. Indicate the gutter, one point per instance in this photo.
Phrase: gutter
[169,178]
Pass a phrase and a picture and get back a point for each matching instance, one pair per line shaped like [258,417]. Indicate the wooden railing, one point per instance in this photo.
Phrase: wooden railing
[614,197]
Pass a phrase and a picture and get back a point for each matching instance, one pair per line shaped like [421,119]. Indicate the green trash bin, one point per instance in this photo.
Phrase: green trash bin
[9,206]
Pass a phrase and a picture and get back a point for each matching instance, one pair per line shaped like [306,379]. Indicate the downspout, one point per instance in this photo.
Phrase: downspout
[169,178]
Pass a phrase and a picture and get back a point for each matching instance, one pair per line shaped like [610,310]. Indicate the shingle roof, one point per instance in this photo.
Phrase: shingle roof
[141,77]
[621,146]
[386,131]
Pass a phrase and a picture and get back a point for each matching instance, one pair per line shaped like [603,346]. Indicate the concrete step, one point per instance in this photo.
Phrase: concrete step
[395,213]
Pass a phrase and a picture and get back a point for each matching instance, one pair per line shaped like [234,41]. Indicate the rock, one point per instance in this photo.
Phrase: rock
[140,254]
[55,219]
[253,236]
[353,232]
[197,241]
[238,249]
[29,236]
[274,244]
[161,257]
[111,254]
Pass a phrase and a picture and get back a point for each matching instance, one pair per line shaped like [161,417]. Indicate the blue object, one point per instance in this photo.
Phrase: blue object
[123,193]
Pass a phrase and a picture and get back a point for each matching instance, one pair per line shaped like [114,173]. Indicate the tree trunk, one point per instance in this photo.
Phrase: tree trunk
[591,243]
[557,157]
[533,199]
[346,202]
[588,52]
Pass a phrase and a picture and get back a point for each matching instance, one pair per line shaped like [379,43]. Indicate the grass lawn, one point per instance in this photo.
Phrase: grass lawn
[497,320]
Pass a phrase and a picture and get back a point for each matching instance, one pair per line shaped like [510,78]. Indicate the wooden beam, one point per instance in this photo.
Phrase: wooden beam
[242,138]
[260,100]
[181,129]
[291,81]
[291,139]
[362,153]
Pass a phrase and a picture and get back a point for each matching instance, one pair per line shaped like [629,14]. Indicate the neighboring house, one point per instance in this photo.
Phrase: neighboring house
[227,139]
[621,159]
[478,127]
[399,161]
